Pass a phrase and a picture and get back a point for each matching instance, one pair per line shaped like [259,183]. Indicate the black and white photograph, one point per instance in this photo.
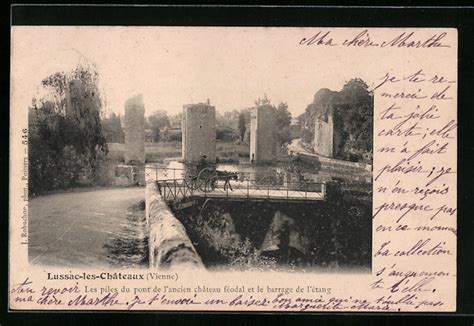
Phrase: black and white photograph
[199,161]
[233,168]
[169,146]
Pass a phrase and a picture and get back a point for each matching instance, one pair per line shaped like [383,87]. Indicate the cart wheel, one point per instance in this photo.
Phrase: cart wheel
[207,179]
[193,182]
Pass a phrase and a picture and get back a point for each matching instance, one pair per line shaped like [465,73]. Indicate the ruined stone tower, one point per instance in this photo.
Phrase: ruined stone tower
[135,130]
[199,133]
[326,137]
[263,134]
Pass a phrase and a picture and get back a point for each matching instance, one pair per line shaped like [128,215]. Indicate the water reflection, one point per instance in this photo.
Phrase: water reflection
[246,172]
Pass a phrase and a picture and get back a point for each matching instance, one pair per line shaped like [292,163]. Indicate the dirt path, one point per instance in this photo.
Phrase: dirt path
[78,228]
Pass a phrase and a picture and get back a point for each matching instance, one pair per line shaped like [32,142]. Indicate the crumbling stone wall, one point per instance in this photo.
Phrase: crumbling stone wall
[263,140]
[199,133]
[326,137]
[169,244]
[135,130]
[350,112]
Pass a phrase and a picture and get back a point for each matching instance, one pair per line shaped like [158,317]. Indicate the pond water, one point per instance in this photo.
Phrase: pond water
[244,173]
[262,235]
[178,169]
[257,174]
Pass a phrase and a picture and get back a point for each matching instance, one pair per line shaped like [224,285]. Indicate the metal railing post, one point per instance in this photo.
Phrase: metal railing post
[184,188]
[174,181]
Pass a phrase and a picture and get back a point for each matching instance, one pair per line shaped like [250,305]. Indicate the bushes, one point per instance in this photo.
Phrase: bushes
[226,134]
[352,109]
[64,131]
[112,129]
[54,162]
[218,233]
[170,135]
[232,152]
[334,233]
[104,175]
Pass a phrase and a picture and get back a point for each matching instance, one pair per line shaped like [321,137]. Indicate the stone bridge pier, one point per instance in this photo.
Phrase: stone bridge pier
[199,133]
[132,172]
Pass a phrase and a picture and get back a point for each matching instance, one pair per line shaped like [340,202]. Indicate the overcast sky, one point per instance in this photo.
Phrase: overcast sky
[173,66]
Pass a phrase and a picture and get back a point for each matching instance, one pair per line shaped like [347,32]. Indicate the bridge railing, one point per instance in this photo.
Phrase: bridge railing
[180,189]
[274,176]
[166,173]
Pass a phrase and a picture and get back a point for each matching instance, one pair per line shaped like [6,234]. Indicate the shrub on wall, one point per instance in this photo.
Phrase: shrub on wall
[353,119]
[65,134]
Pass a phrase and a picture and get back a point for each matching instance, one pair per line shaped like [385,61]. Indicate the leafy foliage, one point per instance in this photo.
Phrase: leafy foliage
[218,233]
[283,118]
[112,129]
[353,118]
[242,125]
[283,123]
[263,101]
[65,134]
[357,116]
[226,134]
[157,121]
[334,233]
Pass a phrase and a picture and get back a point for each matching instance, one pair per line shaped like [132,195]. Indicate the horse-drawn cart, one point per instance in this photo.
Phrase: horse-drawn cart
[206,178]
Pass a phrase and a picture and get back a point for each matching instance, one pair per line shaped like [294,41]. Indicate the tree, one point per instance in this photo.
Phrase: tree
[226,134]
[112,129]
[283,117]
[301,118]
[157,121]
[263,101]
[65,134]
[176,119]
[228,120]
[353,118]
[242,125]
[357,115]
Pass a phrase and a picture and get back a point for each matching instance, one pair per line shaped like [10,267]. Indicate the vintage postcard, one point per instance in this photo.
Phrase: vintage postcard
[233,169]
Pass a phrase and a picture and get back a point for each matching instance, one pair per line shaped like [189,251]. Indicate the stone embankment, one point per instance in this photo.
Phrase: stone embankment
[169,244]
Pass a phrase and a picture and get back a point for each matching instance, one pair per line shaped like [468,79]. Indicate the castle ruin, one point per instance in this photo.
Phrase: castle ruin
[199,133]
[134,130]
[326,137]
[262,134]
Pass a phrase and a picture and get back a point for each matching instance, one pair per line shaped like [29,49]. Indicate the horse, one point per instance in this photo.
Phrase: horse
[226,177]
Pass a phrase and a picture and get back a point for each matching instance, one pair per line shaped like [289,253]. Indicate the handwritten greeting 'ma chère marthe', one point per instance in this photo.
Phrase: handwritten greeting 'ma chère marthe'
[414,210]
[74,297]
[364,39]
